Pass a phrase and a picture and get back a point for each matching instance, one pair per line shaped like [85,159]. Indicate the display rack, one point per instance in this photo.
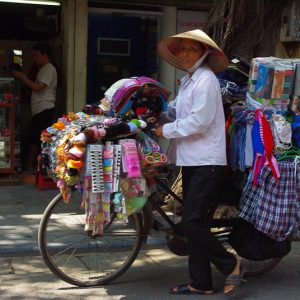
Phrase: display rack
[7,133]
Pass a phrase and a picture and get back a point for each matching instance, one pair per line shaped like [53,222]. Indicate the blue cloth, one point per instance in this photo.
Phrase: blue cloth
[238,141]
[258,146]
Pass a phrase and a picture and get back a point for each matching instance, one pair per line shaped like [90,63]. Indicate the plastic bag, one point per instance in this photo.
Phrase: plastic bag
[252,244]
[150,151]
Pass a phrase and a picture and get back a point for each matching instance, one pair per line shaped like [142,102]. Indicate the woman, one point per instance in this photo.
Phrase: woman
[198,130]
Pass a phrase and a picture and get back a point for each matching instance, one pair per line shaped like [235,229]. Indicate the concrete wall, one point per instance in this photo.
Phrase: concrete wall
[168,28]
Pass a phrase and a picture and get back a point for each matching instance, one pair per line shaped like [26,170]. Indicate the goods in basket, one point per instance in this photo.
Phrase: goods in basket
[274,81]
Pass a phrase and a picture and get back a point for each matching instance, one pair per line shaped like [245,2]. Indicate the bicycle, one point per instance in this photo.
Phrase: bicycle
[81,259]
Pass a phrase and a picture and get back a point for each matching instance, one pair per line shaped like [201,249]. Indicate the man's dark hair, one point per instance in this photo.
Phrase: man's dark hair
[44,48]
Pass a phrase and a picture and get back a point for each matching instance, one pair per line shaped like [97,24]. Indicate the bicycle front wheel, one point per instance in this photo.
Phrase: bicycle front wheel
[76,257]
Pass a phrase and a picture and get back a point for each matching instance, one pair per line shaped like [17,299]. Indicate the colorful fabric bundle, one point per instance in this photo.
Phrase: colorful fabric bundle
[120,93]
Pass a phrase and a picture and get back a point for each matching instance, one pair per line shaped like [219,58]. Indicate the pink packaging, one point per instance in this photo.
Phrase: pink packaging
[130,158]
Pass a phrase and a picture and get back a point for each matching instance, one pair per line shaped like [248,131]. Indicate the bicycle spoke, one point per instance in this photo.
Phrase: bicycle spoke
[77,256]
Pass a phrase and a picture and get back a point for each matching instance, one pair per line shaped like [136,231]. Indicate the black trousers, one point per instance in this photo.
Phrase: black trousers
[201,186]
[40,122]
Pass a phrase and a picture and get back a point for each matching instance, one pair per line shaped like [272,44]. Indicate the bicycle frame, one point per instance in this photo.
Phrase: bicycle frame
[216,223]
[157,206]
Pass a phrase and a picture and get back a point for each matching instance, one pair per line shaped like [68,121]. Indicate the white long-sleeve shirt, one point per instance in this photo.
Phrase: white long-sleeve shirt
[199,127]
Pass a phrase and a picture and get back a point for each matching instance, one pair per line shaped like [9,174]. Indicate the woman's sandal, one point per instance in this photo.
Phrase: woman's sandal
[183,289]
[234,280]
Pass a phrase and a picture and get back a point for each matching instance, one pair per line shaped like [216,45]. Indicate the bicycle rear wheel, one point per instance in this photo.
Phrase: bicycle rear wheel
[252,267]
[79,259]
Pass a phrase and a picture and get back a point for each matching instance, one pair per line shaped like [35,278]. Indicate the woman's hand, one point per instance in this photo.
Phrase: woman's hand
[159,132]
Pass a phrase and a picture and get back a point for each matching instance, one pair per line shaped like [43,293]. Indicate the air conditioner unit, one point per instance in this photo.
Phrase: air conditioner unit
[113,46]
[290,23]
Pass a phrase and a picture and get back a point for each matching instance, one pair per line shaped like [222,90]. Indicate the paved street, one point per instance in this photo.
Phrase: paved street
[24,275]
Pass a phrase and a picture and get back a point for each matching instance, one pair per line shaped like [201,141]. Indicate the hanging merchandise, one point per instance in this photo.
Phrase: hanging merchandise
[296,130]
[104,155]
[241,150]
[135,191]
[238,141]
[263,146]
[282,133]
[273,206]
[269,206]
[150,151]
[130,160]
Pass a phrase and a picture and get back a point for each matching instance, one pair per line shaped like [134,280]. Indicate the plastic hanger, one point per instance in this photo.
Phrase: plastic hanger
[291,153]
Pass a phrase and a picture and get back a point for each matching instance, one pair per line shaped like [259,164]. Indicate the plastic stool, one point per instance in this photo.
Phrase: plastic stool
[44,182]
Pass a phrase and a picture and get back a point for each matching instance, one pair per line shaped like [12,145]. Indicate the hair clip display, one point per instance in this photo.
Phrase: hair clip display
[95,163]
[116,167]
[108,158]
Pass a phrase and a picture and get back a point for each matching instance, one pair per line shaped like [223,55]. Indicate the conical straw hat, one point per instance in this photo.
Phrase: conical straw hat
[168,48]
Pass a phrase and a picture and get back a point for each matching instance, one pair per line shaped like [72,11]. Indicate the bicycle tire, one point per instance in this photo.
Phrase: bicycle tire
[253,268]
[80,265]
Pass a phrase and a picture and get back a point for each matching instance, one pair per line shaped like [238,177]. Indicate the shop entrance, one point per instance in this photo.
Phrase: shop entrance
[120,45]
[21,26]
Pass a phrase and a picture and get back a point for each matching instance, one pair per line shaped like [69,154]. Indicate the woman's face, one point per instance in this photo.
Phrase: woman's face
[189,53]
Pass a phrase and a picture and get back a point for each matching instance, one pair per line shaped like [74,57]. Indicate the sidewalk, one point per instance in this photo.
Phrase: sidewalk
[21,211]
[20,214]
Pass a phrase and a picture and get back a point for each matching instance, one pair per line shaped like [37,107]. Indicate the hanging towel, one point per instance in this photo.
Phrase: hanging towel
[263,145]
